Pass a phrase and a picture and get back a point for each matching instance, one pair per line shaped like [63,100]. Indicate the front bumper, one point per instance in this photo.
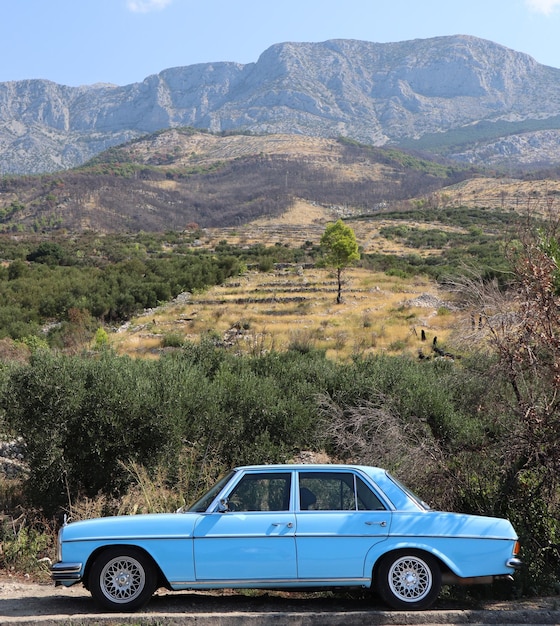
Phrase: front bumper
[66,573]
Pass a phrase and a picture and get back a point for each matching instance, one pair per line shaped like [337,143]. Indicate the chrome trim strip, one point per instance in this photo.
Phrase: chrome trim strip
[128,539]
[413,536]
[270,582]
[294,534]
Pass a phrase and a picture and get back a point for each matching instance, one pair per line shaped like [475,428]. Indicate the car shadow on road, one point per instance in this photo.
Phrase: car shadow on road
[82,604]
[72,605]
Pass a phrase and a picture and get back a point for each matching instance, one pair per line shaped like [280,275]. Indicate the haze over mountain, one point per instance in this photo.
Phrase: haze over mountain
[470,99]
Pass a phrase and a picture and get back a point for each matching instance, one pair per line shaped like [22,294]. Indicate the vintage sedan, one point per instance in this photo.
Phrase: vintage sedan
[289,527]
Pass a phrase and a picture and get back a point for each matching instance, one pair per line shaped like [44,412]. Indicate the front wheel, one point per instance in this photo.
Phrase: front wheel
[409,580]
[122,579]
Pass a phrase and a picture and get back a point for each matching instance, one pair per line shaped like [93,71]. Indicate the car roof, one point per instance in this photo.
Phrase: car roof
[310,467]
[397,495]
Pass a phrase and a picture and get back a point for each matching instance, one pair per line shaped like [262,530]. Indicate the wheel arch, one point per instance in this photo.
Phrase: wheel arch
[408,578]
[375,556]
[162,580]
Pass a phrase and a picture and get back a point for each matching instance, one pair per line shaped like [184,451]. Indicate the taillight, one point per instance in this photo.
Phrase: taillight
[516,548]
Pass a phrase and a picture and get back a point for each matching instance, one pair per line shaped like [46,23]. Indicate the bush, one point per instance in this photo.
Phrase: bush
[123,430]
[79,418]
[172,340]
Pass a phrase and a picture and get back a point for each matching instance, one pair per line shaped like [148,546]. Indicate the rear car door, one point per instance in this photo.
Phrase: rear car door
[340,518]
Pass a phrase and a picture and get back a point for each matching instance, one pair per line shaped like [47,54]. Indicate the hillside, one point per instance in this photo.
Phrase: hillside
[174,178]
[294,306]
[470,99]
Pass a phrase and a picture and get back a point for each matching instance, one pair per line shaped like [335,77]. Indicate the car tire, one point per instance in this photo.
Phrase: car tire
[408,580]
[122,579]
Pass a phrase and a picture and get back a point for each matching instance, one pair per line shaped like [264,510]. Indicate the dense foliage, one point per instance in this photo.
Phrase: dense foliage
[87,421]
[81,416]
[107,279]
[447,240]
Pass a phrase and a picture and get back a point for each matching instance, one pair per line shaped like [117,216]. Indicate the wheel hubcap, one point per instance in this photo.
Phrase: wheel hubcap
[410,579]
[122,579]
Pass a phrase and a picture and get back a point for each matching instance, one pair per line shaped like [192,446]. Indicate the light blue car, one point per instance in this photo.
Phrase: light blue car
[289,527]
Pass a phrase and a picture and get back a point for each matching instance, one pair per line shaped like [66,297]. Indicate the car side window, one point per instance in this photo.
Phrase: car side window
[367,500]
[336,491]
[261,492]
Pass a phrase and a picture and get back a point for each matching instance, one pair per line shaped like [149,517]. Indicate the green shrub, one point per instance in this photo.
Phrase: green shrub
[172,340]
[106,427]
[26,547]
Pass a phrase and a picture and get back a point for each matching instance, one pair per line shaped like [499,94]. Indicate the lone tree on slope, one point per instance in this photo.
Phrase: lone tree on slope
[340,250]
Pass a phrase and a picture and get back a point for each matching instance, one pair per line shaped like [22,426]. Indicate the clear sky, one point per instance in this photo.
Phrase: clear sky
[81,42]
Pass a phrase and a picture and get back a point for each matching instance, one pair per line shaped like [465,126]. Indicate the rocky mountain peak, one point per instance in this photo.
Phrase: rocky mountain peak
[457,90]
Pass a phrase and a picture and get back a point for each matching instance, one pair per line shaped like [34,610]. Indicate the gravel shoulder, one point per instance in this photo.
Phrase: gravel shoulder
[24,602]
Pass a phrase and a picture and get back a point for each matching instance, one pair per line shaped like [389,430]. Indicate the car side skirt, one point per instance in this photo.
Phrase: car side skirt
[270,584]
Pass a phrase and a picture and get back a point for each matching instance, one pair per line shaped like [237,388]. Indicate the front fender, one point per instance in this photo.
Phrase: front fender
[173,558]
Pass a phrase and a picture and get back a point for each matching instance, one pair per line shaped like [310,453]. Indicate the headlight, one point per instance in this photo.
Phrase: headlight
[59,546]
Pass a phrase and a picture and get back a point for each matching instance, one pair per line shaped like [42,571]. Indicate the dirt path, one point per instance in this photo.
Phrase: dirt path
[30,603]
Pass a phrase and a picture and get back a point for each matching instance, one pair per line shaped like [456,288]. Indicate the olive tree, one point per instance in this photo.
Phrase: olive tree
[340,249]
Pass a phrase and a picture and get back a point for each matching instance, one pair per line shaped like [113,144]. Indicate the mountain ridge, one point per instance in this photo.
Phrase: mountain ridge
[376,93]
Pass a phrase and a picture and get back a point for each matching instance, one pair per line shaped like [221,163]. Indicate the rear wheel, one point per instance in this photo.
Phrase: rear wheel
[408,580]
[122,579]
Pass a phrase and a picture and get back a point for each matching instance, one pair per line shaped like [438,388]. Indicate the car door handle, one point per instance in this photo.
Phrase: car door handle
[288,525]
[383,523]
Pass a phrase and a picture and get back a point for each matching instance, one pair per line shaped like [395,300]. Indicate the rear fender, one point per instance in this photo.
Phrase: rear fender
[383,548]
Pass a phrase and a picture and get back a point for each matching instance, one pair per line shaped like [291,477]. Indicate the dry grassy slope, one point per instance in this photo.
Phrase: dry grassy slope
[200,149]
[306,221]
[204,149]
[187,182]
[504,193]
[297,306]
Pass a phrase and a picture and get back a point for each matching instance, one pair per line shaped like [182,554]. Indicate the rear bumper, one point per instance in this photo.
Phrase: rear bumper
[448,578]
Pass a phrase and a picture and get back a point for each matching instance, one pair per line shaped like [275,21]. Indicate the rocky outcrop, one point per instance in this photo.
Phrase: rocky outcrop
[375,93]
[12,458]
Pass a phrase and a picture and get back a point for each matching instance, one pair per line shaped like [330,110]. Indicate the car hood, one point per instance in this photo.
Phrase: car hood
[132,526]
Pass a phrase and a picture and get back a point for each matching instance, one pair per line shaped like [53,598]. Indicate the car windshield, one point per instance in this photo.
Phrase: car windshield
[203,503]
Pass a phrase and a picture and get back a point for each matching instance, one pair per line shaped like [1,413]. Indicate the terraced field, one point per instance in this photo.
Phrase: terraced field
[295,307]
[306,221]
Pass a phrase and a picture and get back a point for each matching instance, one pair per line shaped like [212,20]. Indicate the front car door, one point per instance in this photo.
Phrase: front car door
[340,518]
[253,538]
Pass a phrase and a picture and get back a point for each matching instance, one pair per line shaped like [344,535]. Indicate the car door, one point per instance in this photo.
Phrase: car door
[339,519]
[253,538]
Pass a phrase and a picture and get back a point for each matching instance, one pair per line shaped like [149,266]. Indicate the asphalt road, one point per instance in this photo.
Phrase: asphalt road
[25,603]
